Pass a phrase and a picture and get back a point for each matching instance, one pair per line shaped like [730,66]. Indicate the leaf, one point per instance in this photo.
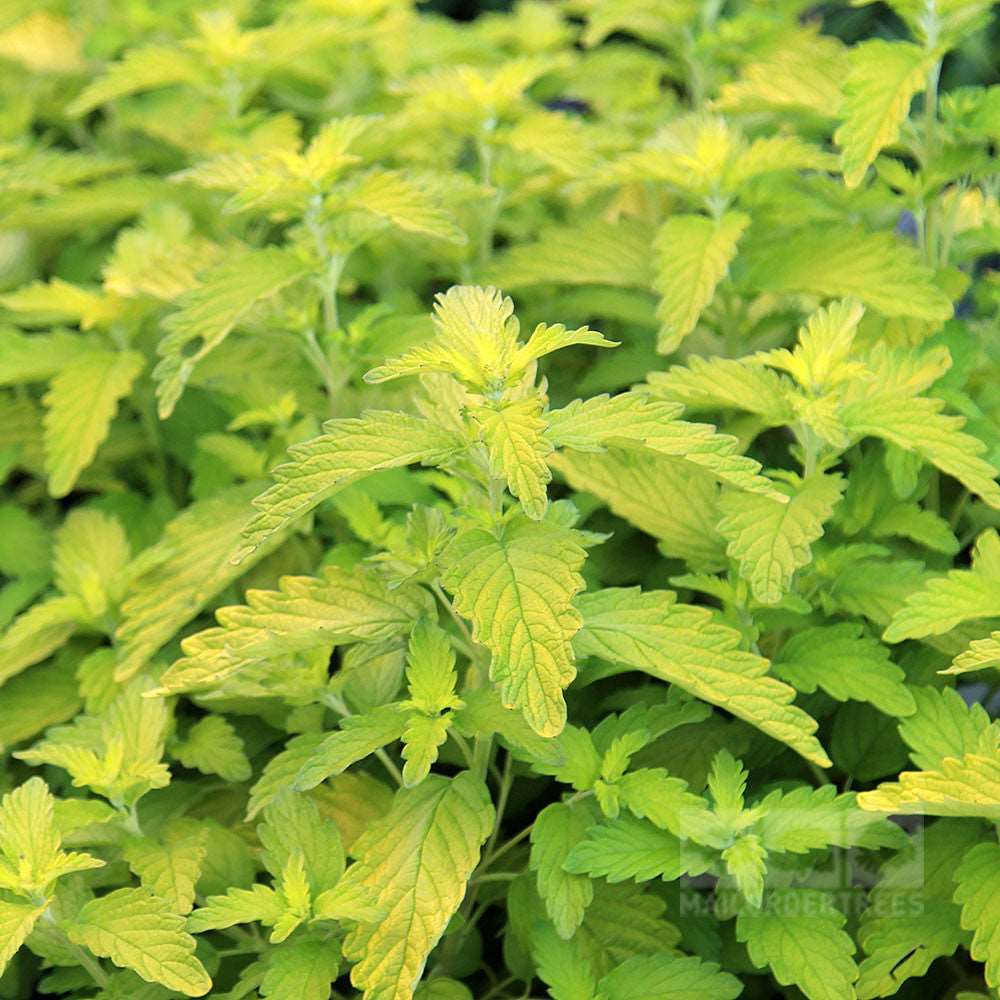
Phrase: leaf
[514,437]
[37,633]
[30,852]
[358,737]
[685,646]
[917,425]
[977,894]
[391,195]
[347,450]
[632,485]
[883,79]
[17,918]
[650,793]
[634,420]
[207,313]
[137,931]
[961,595]
[301,970]
[562,964]
[89,559]
[982,653]
[237,906]
[945,726]
[960,786]
[42,697]
[517,588]
[430,669]
[171,868]
[668,977]
[772,540]
[746,862]
[911,920]
[79,406]
[693,254]
[835,260]
[558,828]
[174,579]
[422,737]
[294,828]
[305,613]
[212,747]
[846,664]
[631,848]
[798,935]
[416,861]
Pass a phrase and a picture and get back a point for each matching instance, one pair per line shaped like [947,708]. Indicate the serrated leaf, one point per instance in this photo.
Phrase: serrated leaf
[430,669]
[237,906]
[37,633]
[294,828]
[978,893]
[772,540]
[693,254]
[422,737]
[208,313]
[668,977]
[944,725]
[651,793]
[634,420]
[514,437]
[301,970]
[631,848]
[847,665]
[684,645]
[562,964]
[798,935]
[39,698]
[171,867]
[347,450]
[79,406]
[883,79]
[517,588]
[17,918]
[558,828]
[391,195]
[746,863]
[961,595]
[212,747]
[359,736]
[138,931]
[982,653]
[416,861]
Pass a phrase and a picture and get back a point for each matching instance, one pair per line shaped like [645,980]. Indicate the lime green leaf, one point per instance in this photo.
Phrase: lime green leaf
[422,737]
[746,862]
[237,906]
[81,401]
[693,255]
[359,736]
[517,588]
[633,485]
[514,437]
[837,261]
[17,918]
[391,195]
[208,313]
[169,868]
[562,964]
[301,970]
[416,862]
[293,827]
[668,977]
[651,793]
[847,665]
[960,786]
[212,747]
[772,540]
[883,79]
[138,931]
[30,853]
[634,420]
[558,828]
[943,725]
[89,559]
[911,919]
[631,848]
[174,579]
[42,697]
[978,893]
[798,934]
[430,669]
[684,645]
[37,633]
[961,595]
[347,450]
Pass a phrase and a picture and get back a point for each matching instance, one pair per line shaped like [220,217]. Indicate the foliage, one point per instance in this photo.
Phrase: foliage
[499,508]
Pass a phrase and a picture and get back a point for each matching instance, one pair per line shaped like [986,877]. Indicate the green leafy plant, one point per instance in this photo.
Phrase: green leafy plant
[499,508]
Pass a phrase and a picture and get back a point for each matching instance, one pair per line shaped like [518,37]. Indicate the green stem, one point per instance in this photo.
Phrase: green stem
[485,151]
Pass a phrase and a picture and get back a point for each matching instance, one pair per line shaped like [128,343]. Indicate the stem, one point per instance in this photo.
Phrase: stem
[504,848]
[485,151]
[455,616]
[322,365]
[91,964]
[496,877]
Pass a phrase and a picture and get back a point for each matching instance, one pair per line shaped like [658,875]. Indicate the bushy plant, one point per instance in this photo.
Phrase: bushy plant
[374,626]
